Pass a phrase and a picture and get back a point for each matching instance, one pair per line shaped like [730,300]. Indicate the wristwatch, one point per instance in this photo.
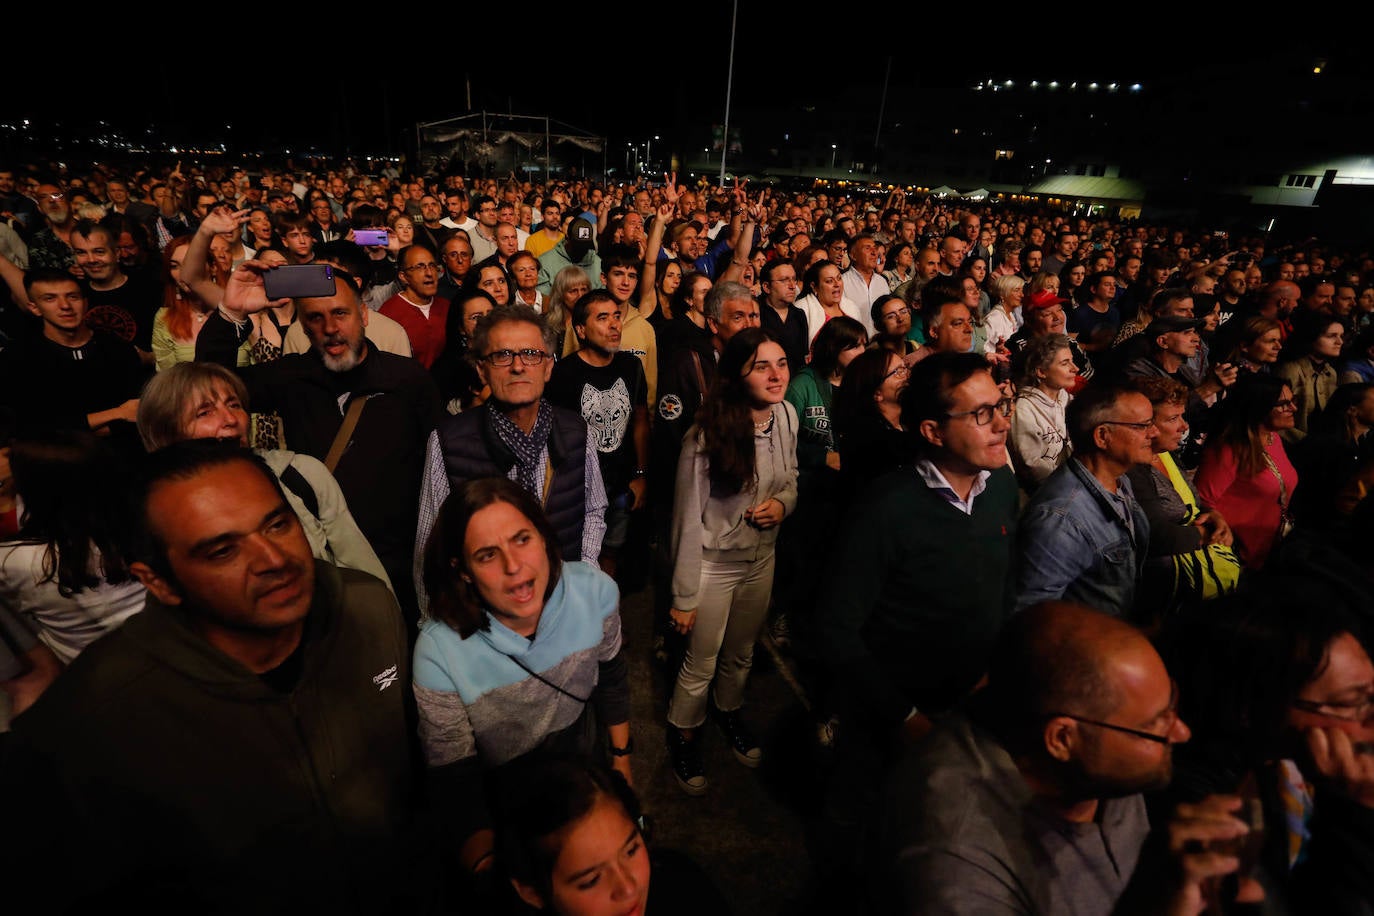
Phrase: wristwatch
[625,751]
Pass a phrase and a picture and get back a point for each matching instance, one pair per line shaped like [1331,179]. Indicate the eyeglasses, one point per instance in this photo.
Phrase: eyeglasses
[1140,426]
[427,267]
[983,415]
[901,371]
[899,313]
[1286,405]
[1358,712]
[1135,732]
[529,357]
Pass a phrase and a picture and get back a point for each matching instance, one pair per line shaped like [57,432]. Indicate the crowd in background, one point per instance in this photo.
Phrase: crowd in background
[1063,518]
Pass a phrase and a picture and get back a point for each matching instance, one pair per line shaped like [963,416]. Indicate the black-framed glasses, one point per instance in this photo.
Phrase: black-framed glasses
[1288,404]
[902,371]
[1135,732]
[983,415]
[529,357]
[1358,712]
[1140,426]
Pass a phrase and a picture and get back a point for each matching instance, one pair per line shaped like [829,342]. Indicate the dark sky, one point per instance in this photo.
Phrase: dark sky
[613,68]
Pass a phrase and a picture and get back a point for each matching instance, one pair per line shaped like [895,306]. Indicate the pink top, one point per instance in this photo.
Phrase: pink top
[1250,505]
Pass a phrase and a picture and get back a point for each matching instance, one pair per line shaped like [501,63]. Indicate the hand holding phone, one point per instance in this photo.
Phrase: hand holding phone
[299,281]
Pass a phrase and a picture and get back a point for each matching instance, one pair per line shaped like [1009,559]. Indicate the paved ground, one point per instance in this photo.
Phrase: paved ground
[749,829]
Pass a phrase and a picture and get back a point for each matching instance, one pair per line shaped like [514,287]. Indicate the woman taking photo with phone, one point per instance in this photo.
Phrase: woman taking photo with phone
[736,482]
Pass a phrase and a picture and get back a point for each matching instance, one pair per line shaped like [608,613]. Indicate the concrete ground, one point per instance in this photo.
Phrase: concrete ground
[749,830]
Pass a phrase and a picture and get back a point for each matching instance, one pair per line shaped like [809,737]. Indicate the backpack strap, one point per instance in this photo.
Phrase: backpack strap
[295,481]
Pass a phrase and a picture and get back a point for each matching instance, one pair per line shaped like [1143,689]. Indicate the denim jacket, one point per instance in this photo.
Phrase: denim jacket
[1076,547]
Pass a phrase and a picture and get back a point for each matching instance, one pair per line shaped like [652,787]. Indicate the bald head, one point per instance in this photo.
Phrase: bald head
[1282,296]
[1058,657]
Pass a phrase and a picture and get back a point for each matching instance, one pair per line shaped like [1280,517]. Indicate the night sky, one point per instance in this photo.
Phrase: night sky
[610,69]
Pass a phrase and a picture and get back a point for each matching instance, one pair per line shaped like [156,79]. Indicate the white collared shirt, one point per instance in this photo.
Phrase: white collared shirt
[937,482]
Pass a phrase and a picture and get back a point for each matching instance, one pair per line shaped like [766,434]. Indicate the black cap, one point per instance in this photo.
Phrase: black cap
[1171,323]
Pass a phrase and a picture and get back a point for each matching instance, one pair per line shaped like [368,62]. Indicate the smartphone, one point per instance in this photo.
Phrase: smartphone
[296,281]
[371,237]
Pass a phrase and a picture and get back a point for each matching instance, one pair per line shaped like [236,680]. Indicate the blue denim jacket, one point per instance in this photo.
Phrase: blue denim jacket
[1075,547]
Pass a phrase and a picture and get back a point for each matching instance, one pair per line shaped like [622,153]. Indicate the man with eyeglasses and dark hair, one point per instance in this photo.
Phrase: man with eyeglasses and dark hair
[1029,799]
[364,412]
[516,433]
[1083,535]
[778,311]
[418,307]
[920,578]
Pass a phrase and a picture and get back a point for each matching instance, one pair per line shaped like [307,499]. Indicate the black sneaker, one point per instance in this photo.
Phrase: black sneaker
[742,742]
[685,756]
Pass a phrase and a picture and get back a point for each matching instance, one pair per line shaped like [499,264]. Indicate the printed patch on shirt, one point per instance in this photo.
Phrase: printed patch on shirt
[820,417]
[385,679]
[607,414]
[670,407]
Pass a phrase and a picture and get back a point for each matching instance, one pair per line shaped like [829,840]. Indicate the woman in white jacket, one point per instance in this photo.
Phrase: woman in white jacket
[1039,442]
[736,482]
[824,298]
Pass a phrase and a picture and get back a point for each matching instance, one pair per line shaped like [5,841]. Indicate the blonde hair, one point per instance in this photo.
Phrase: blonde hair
[167,396]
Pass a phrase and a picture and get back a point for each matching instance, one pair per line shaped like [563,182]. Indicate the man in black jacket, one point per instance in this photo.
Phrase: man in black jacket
[245,743]
[393,399]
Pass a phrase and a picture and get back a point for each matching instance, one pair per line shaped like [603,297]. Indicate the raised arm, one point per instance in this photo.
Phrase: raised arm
[648,272]
[740,259]
[195,269]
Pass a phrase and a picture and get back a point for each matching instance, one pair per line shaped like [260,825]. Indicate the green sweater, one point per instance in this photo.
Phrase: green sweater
[916,594]
[812,398]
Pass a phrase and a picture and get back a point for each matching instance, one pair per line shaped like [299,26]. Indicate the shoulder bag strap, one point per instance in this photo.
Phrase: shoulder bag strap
[345,434]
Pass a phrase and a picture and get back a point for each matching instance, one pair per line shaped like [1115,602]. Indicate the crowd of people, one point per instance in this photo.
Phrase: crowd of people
[320,490]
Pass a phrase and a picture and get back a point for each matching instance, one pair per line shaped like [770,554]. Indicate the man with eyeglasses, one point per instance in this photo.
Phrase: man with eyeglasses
[418,307]
[920,580]
[1029,799]
[1083,535]
[457,260]
[516,433]
[363,411]
[779,313]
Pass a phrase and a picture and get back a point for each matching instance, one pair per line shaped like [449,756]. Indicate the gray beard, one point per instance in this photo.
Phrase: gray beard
[344,363]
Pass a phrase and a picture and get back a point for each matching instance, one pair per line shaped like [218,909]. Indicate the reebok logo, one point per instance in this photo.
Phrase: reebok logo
[385,679]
